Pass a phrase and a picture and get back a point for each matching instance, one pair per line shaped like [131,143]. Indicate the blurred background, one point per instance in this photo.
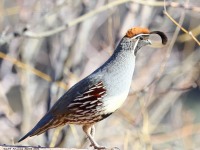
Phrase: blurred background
[162,111]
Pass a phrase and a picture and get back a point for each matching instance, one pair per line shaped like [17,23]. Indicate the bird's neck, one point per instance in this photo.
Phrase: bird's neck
[124,52]
[126,45]
[122,57]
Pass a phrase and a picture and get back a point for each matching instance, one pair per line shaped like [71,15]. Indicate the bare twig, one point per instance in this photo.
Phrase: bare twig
[31,69]
[176,134]
[16,9]
[108,6]
[186,37]
[164,106]
[76,21]
[182,28]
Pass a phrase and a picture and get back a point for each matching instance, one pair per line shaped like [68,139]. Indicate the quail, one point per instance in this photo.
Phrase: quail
[101,93]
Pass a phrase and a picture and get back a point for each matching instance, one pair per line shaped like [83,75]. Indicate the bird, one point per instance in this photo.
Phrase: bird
[101,93]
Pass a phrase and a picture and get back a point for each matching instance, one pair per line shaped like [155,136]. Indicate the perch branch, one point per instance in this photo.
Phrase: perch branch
[11,147]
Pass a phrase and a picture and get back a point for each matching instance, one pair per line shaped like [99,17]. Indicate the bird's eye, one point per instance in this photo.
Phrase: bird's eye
[141,38]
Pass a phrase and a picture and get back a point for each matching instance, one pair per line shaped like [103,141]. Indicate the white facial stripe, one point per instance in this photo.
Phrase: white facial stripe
[136,43]
[139,35]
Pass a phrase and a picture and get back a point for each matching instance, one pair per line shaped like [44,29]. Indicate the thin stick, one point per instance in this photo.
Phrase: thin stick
[185,37]
[183,29]
[76,21]
[31,69]
[96,11]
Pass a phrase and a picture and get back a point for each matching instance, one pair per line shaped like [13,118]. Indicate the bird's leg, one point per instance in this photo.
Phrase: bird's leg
[88,129]
[92,131]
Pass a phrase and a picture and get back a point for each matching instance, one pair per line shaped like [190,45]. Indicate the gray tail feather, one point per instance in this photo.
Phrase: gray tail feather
[38,129]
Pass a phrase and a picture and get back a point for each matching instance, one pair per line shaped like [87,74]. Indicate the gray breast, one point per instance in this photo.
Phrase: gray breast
[117,77]
[118,74]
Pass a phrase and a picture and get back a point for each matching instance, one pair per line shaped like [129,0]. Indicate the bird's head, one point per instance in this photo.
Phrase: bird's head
[138,37]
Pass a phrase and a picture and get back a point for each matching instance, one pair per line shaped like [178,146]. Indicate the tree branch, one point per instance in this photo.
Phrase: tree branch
[11,147]
[108,6]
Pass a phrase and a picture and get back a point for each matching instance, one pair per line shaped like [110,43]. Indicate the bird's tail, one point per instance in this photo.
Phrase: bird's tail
[43,125]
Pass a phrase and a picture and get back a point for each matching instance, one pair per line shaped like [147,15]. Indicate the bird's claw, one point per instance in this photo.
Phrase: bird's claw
[98,147]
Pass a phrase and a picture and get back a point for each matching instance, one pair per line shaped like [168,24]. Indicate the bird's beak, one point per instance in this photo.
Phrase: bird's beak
[148,42]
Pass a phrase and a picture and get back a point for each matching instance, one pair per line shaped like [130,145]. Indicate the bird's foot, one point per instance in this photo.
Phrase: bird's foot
[115,148]
[98,147]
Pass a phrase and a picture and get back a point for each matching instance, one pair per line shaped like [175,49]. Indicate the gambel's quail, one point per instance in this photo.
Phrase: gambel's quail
[97,96]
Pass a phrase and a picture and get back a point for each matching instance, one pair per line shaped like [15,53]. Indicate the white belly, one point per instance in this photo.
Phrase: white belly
[113,103]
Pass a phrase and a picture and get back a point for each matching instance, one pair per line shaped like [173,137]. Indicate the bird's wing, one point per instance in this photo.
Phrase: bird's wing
[81,94]
[79,108]
[89,100]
